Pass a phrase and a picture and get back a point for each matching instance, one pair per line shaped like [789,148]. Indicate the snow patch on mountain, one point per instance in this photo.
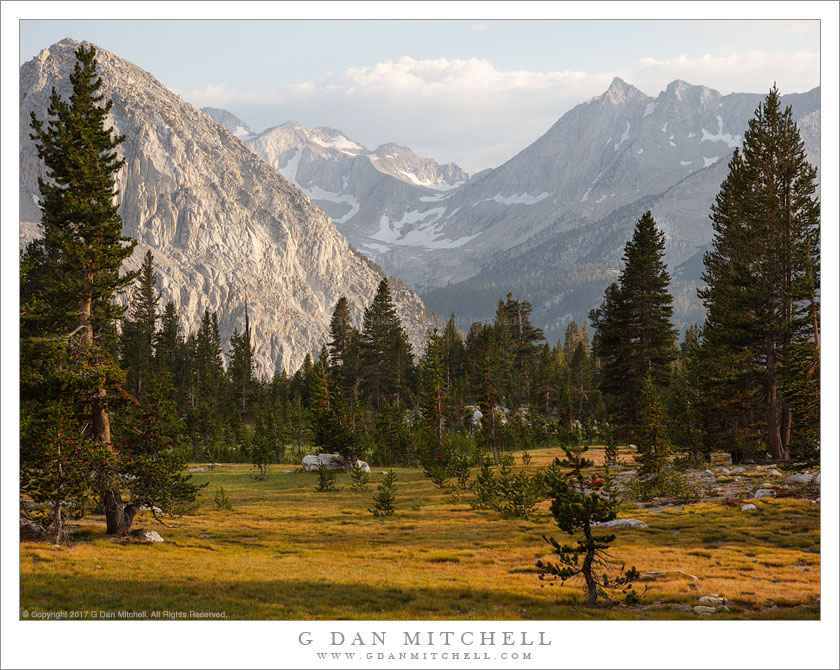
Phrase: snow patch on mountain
[516,199]
[624,136]
[732,141]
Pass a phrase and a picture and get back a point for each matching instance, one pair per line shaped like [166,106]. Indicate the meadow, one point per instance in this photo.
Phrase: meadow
[285,551]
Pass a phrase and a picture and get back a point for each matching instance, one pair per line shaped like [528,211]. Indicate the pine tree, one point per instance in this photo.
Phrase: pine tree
[686,398]
[490,372]
[579,502]
[169,342]
[634,333]
[654,446]
[384,500]
[524,336]
[385,351]
[76,264]
[241,368]
[344,349]
[433,394]
[139,328]
[761,281]
[453,352]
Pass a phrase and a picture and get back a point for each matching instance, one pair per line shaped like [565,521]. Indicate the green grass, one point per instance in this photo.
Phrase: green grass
[287,552]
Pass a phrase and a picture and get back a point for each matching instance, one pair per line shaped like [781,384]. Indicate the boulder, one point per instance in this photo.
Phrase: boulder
[712,600]
[773,472]
[804,478]
[765,493]
[195,469]
[702,609]
[330,461]
[147,536]
[622,523]
[747,508]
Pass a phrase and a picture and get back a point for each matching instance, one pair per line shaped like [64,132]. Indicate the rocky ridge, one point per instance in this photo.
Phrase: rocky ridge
[227,231]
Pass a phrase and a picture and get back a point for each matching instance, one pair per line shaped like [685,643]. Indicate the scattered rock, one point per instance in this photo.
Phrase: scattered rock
[147,536]
[804,478]
[712,600]
[766,485]
[702,609]
[708,473]
[626,475]
[774,473]
[331,462]
[622,523]
[738,468]
[765,493]
[195,470]
[747,508]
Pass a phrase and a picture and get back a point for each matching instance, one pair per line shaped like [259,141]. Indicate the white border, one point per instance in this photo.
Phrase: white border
[273,644]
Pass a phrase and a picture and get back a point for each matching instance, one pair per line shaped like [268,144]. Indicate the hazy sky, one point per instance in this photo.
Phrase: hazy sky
[473,92]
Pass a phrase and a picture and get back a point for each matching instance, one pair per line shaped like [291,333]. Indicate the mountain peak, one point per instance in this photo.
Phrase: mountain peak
[620,91]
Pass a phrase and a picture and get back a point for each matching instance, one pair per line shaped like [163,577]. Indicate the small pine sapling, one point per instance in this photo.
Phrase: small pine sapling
[221,499]
[437,472]
[486,488]
[579,502]
[360,478]
[526,459]
[327,480]
[384,500]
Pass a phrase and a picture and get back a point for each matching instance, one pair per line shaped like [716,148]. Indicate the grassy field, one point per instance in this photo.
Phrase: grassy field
[287,552]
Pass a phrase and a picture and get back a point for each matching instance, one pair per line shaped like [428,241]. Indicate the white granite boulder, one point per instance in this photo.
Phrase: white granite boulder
[331,462]
[765,493]
[147,536]
[804,478]
[747,508]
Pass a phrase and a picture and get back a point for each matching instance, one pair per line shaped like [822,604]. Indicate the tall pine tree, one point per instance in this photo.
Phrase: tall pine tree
[634,333]
[762,279]
[77,262]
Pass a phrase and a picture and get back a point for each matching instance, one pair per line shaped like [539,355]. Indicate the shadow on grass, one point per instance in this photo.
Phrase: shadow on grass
[281,599]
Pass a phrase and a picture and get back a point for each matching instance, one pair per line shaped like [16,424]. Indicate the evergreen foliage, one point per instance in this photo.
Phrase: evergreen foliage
[360,478]
[384,500]
[635,338]
[760,346]
[327,480]
[579,502]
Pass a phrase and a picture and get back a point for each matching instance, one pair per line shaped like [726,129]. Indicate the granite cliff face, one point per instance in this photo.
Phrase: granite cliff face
[227,231]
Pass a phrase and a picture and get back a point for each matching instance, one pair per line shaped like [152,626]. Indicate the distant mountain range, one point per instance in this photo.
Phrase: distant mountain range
[549,224]
[227,231]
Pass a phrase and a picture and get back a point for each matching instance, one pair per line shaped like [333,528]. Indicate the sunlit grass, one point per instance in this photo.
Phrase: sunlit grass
[286,551]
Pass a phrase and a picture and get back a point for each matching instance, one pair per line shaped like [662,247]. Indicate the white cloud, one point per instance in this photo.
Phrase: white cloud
[750,72]
[470,112]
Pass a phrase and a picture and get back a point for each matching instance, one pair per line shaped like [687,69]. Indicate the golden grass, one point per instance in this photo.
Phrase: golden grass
[288,552]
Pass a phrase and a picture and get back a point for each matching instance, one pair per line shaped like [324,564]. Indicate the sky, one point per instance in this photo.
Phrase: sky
[469,91]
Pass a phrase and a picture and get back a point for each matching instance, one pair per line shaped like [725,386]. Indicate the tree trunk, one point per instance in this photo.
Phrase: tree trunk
[58,521]
[774,435]
[118,519]
[586,568]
